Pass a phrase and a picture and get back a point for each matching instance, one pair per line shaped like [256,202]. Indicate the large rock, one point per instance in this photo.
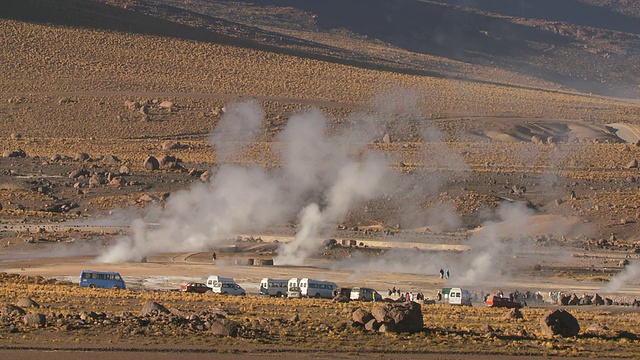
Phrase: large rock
[151,163]
[170,145]
[82,156]
[14,153]
[11,310]
[35,320]
[361,316]
[514,314]
[27,303]
[598,300]
[559,322]
[153,308]
[399,317]
[224,327]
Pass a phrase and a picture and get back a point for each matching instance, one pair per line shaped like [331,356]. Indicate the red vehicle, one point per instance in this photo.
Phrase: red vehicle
[497,301]
[195,287]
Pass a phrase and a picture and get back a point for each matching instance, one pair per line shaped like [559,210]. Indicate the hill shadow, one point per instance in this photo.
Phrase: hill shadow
[570,11]
[427,28]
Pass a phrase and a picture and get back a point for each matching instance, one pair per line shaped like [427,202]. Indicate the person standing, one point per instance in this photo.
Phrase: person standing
[441,273]
[214,257]
[447,273]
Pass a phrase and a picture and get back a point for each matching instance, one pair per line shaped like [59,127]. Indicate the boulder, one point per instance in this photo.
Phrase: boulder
[35,320]
[633,164]
[514,314]
[14,153]
[205,176]
[112,159]
[386,139]
[167,160]
[55,158]
[559,322]
[372,325]
[27,303]
[131,105]
[574,300]
[224,327]
[153,308]
[116,181]
[170,145]
[151,163]
[361,316]
[399,317]
[166,105]
[598,300]
[11,310]
[124,170]
[78,173]
[81,156]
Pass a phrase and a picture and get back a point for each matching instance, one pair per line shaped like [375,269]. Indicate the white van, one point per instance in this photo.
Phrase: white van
[458,296]
[274,287]
[228,288]
[317,289]
[212,280]
[293,289]
[364,294]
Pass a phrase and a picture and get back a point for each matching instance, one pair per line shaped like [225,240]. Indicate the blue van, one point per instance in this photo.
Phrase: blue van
[101,279]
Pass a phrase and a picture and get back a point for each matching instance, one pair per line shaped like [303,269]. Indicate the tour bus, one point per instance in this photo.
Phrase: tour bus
[293,288]
[459,296]
[317,289]
[217,279]
[274,287]
[101,279]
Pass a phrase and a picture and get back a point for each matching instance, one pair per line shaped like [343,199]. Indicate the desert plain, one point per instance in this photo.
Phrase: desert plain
[141,136]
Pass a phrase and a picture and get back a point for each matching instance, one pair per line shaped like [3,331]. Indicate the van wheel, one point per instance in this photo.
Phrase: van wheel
[318,296]
[243,294]
[92,286]
[116,287]
[279,294]
[224,293]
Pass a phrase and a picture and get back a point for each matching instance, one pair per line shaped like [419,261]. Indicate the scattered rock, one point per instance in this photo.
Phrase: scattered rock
[166,105]
[224,327]
[14,153]
[35,320]
[15,136]
[131,105]
[27,303]
[633,164]
[151,163]
[153,308]
[386,139]
[81,156]
[559,322]
[111,159]
[514,314]
[11,310]
[78,173]
[170,145]
[124,170]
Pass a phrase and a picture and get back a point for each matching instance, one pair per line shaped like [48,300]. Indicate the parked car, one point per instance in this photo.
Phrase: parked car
[497,301]
[294,292]
[364,294]
[228,288]
[195,287]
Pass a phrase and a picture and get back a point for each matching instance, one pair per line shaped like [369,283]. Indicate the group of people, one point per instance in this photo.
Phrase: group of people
[408,296]
[444,274]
